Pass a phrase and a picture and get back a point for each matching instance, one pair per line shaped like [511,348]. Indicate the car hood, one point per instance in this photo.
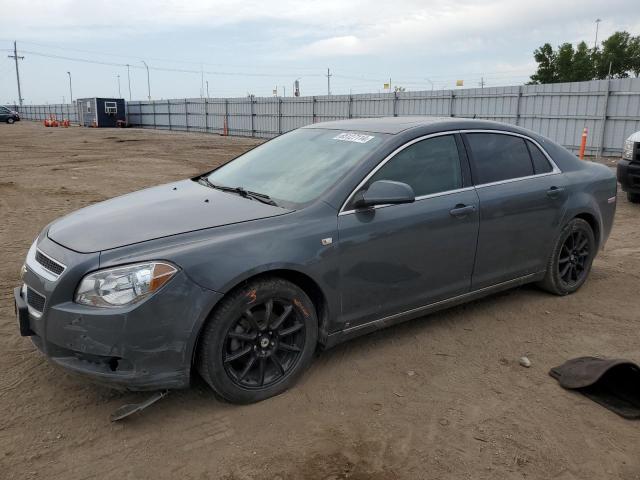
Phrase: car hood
[153,213]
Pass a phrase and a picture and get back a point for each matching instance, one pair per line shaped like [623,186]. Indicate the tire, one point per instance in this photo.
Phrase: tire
[10,120]
[567,258]
[633,197]
[276,353]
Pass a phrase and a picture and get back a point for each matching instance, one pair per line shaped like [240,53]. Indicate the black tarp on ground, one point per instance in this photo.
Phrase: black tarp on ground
[613,383]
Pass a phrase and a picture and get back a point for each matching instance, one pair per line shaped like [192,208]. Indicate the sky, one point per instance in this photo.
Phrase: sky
[253,47]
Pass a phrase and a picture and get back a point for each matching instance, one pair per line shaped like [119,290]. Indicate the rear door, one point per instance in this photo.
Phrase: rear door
[522,196]
[397,257]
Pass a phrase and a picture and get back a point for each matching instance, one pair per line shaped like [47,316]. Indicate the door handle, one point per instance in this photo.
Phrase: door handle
[461,210]
[554,192]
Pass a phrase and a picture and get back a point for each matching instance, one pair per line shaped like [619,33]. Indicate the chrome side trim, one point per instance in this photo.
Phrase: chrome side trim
[443,303]
[554,167]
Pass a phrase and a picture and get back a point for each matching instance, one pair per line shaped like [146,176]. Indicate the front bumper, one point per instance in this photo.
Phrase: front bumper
[147,346]
[628,174]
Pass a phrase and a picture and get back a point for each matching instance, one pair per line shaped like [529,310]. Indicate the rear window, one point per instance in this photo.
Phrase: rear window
[499,157]
[540,162]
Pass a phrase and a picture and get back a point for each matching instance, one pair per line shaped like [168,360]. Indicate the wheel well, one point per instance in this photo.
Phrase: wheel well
[312,289]
[593,223]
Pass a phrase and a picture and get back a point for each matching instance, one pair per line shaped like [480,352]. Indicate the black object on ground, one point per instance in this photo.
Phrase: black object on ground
[613,383]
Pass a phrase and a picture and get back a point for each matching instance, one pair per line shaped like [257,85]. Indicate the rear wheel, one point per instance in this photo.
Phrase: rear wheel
[258,341]
[571,259]
[633,197]
[10,120]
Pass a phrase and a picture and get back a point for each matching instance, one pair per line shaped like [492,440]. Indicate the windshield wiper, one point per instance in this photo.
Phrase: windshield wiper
[261,197]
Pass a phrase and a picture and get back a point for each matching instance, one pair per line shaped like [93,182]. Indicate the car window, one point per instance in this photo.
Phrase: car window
[540,162]
[499,157]
[429,166]
[4,110]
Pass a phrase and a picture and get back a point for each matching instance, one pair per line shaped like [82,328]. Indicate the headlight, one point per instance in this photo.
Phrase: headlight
[627,151]
[117,287]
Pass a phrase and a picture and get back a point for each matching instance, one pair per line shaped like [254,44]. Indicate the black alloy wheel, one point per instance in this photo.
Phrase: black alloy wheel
[264,343]
[574,256]
[570,261]
[258,340]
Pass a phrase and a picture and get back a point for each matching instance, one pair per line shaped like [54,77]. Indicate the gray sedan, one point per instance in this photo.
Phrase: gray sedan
[322,234]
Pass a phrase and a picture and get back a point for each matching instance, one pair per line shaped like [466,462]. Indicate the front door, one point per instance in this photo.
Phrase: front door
[398,257]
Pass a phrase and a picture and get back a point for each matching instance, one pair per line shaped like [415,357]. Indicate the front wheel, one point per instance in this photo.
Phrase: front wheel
[571,259]
[258,341]
[10,120]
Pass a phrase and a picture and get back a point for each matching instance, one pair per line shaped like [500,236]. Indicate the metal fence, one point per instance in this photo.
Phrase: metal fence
[62,111]
[610,109]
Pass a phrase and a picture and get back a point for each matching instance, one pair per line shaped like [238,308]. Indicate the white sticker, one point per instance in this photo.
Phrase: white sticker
[353,137]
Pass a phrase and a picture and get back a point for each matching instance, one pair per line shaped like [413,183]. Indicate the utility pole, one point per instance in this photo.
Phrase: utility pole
[70,88]
[16,58]
[119,94]
[482,82]
[595,43]
[328,82]
[129,81]
[148,80]
[207,88]
[201,81]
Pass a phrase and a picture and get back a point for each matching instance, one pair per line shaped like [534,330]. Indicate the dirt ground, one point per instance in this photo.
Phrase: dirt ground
[442,397]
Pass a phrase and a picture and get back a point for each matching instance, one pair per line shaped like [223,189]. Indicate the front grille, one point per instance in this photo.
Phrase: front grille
[49,264]
[35,300]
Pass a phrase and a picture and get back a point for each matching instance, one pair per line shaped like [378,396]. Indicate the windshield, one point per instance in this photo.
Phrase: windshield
[299,166]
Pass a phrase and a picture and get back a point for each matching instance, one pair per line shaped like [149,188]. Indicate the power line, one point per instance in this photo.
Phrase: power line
[165,69]
[139,57]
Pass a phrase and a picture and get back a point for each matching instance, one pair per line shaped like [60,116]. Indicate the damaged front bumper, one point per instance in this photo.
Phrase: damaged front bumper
[146,346]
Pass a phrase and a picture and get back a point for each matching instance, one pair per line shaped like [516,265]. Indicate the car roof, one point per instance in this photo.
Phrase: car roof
[395,125]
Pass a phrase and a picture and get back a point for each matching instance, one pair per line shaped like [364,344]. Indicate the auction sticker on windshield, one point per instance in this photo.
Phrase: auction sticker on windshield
[353,137]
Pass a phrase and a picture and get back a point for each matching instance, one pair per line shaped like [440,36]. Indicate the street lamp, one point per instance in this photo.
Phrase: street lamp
[148,81]
[70,87]
[296,87]
[595,43]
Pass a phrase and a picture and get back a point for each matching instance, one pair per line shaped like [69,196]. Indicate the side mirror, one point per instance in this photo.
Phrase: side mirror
[384,192]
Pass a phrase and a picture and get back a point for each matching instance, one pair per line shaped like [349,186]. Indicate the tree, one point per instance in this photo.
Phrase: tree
[620,54]
[614,56]
[634,55]
[583,64]
[545,56]
[564,63]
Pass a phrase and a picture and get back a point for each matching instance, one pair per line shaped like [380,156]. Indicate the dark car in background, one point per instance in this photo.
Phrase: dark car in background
[8,116]
[317,236]
[629,168]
